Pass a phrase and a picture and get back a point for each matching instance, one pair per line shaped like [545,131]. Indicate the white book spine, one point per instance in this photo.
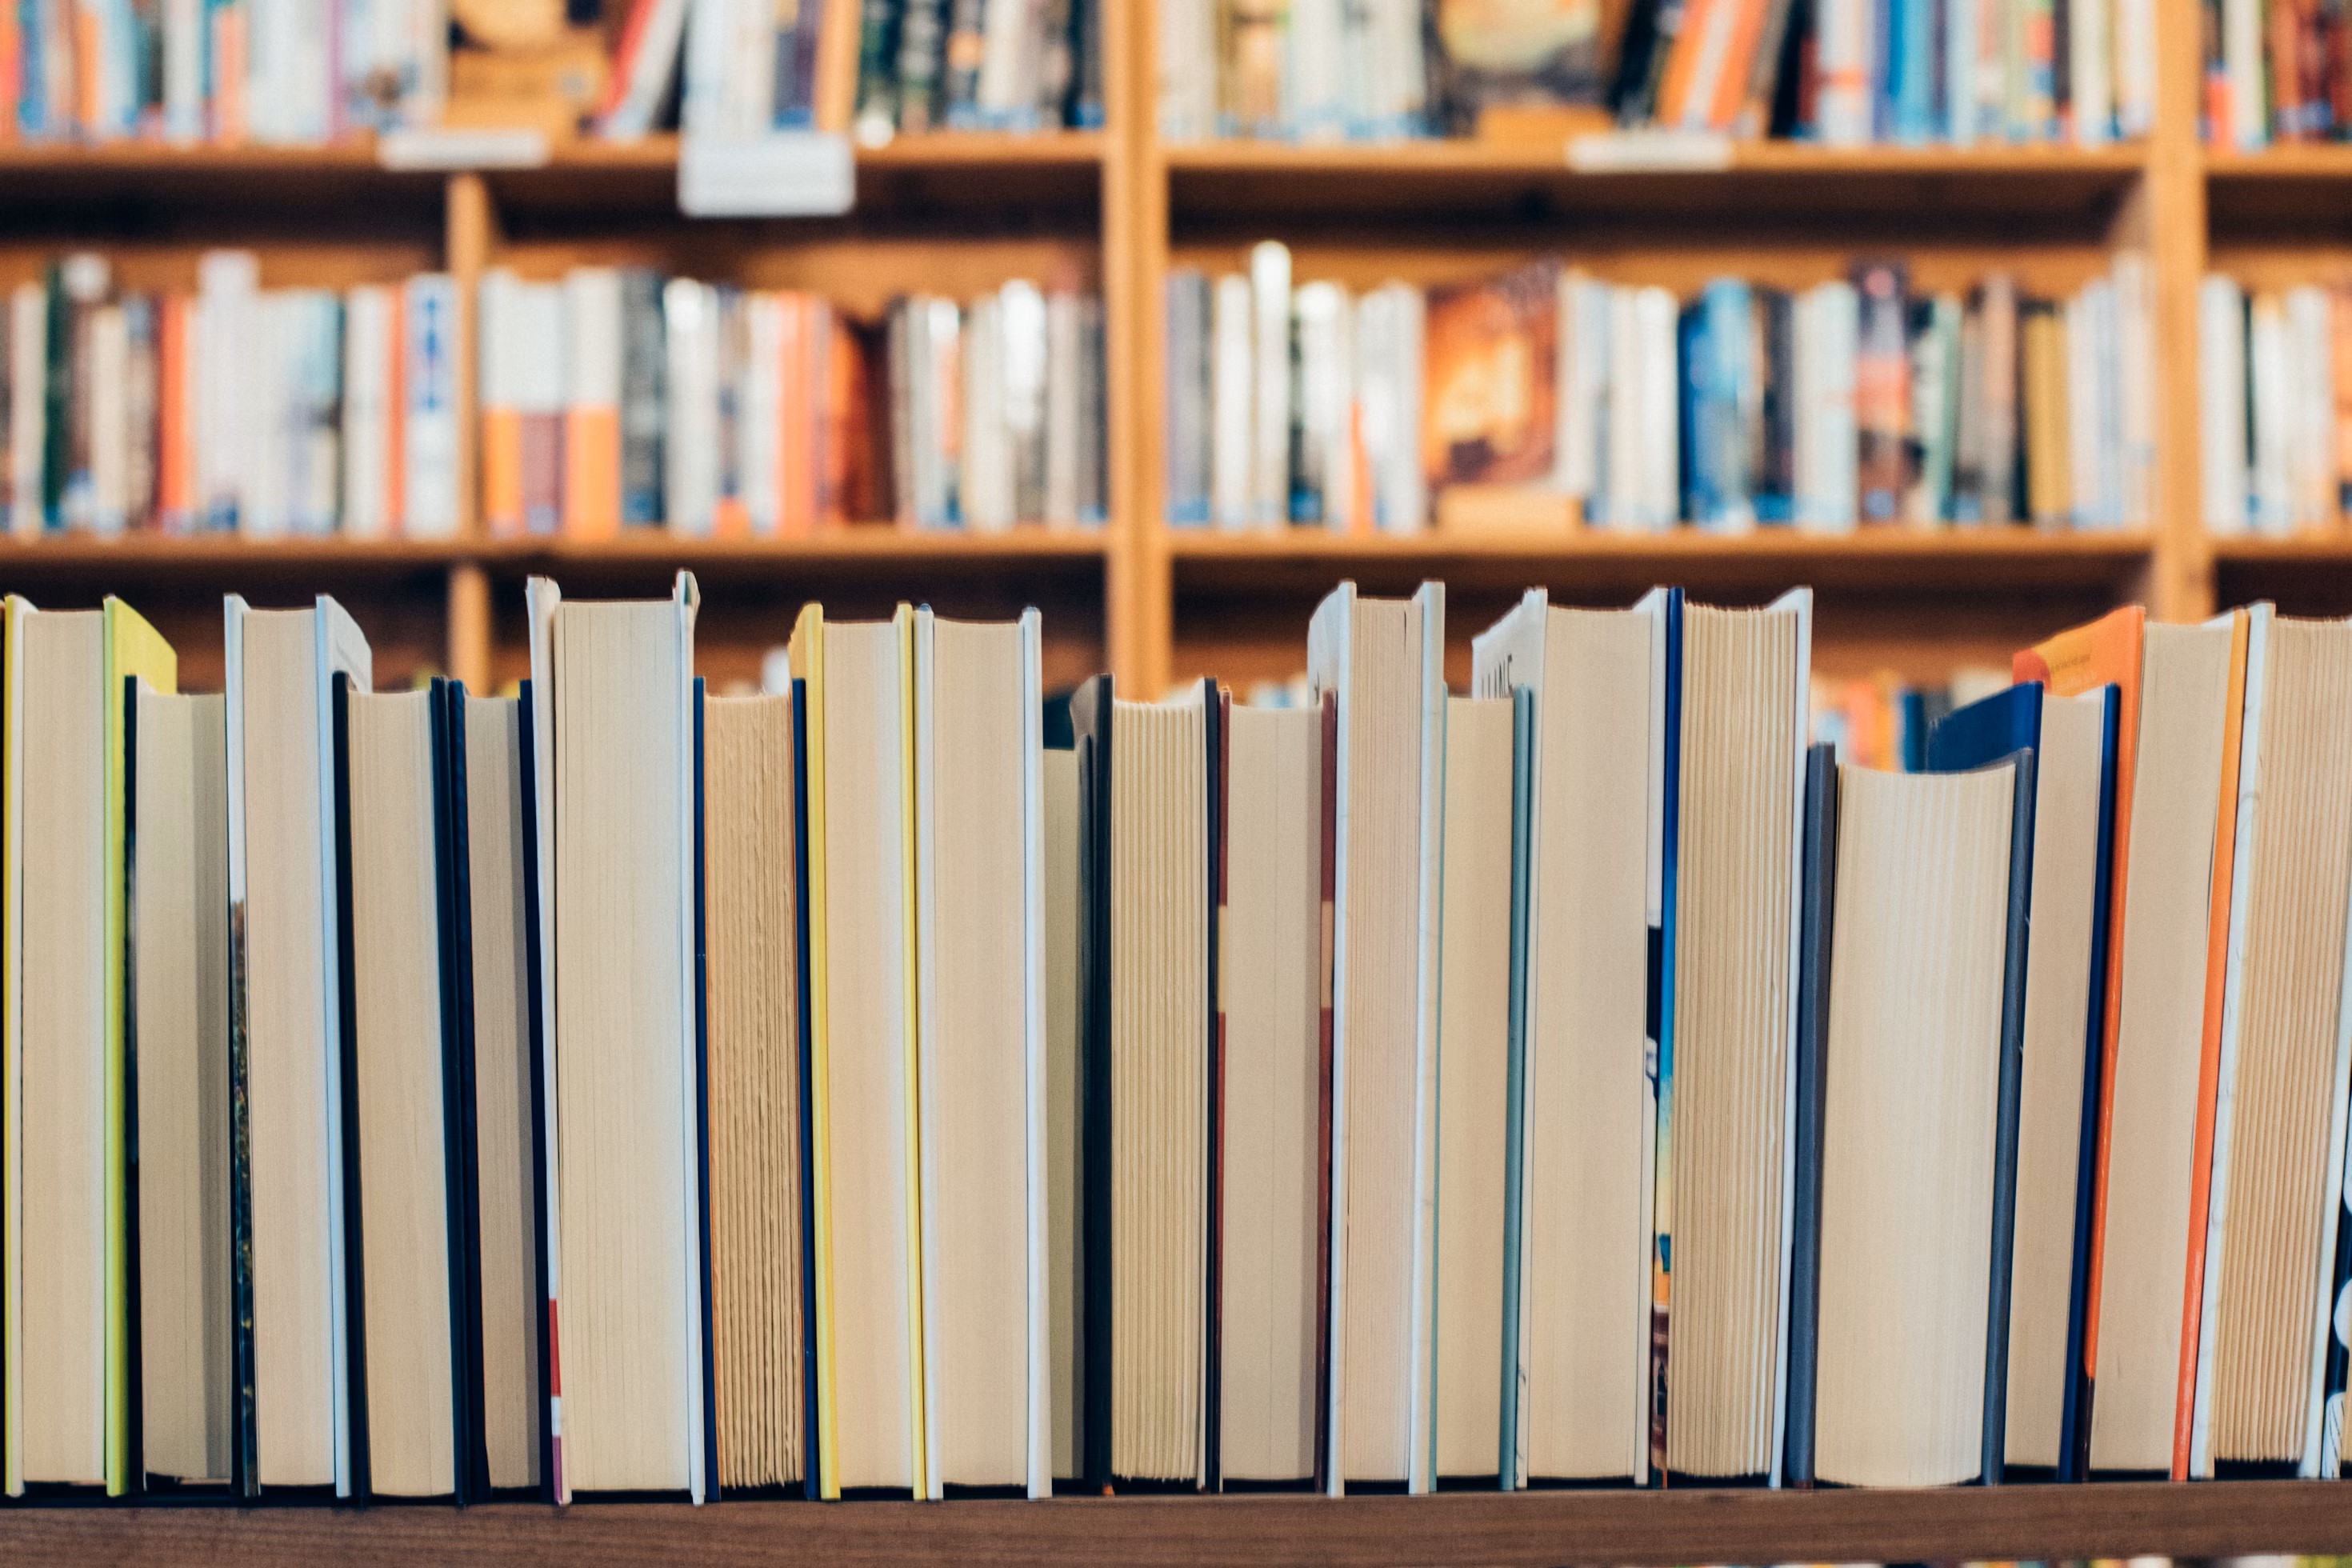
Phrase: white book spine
[2134,381]
[2134,51]
[763,367]
[1408,482]
[941,370]
[1836,441]
[367,362]
[264,515]
[2242,63]
[183,70]
[1008,67]
[2082,407]
[987,501]
[227,359]
[2221,403]
[1961,34]
[1270,348]
[1064,410]
[1617,491]
[702,100]
[1325,384]
[1659,438]
[1188,92]
[1024,349]
[1315,97]
[2311,456]
[2089,81]
[428,445]
[2272,511]
[689,473]
[1843,108]
[1231,484]
[109,433]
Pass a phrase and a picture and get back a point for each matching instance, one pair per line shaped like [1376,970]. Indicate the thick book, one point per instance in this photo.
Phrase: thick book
[981,1066]
[1146,802]
[864,992]
[1926,987]
[288,1273]
[1384,660]
[68,1127]
[2074,739]
[617,781]
[175,833]
[1580,1300]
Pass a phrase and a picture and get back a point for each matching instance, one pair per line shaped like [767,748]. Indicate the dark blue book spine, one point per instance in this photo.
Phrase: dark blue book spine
[1523,738]
[535,963]
[1815,924]
[2012,1072]
[2074,1421]
[804,1036]
[700,1176]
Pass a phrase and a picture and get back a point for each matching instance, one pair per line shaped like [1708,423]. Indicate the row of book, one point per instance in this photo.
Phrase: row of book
[617,398]
[876,67]
[1546,393]
[272,411]
[1844,72]
[283,72]
[612,398]
[898,1083]
[2274,71]
[2275,406]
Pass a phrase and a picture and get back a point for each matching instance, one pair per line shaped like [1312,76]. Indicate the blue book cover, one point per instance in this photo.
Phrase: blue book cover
[1690,354]
[1718,372]
[1523,730]
[1911,72]
[1660,1065]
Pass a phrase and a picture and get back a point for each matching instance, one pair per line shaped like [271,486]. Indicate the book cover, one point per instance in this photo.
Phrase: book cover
[1665,607]
[1511,1466]
[1488,379]
[1815,925]
[1532,54]
[1091,712]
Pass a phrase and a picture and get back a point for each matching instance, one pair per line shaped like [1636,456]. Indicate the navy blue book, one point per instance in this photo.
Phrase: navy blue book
[1815,919]
[2074,742]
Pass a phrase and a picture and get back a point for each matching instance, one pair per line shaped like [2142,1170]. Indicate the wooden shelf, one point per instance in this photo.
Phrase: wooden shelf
[1765,182]
[1532,1527]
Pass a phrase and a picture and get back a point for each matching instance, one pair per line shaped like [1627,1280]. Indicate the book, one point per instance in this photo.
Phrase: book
[1064,1280]
[1274,1107]
[176,831]
[1815,931]
[1488,380]
[1382,661]
[865,1188]
[1927,975]
[1591,874]
[2074,739]
[289,1269]
[68,1345]
[410,1249]
[620,1026]
[980,1045]
[1473,1364]
[1147,824]
[753,866]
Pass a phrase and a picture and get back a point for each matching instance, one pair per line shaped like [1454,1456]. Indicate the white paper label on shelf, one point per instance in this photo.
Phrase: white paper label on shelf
[1619,151]
[784,174]
[517,148]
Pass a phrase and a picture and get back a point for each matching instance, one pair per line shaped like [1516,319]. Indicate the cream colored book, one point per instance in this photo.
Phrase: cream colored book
[1270,975]
[1383,659]
[285,964]
[614,768]
[980,1075]
[179,838]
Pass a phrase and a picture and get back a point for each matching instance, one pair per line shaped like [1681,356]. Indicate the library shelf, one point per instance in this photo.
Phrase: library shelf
[1961,559]
[2012,1522]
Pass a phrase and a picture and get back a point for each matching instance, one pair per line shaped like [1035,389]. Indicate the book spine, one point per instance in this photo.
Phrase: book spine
[1881,387]
[591,312]
[877,36]
[923,49]
[541,395]
[1998,475]
[428,421]
[499,347]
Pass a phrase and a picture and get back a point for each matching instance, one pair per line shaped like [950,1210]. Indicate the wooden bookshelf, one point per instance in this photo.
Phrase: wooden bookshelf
[1528,1528]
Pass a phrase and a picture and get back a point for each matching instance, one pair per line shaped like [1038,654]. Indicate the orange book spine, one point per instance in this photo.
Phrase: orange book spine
[396,419]
[592,471]
[173,479]
[502,513]
[1359,475]
[1731,85]
[796,446]
[2105,651]
[844,422]
[228,74]
[12,70]
[1674,86]
[89,47]
[2208,1050]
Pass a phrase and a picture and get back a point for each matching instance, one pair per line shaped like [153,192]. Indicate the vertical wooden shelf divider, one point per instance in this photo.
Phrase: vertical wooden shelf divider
[2173,203]
[469,225]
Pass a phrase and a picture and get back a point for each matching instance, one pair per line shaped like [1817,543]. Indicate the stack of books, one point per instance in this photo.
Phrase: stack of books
[2274,72]
[899,1083]
[1546,393]
[268,412]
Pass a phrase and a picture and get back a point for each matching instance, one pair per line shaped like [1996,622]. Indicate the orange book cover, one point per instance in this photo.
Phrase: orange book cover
[592,471]
[229,41]
[1682,60]
[175,487]
[2209,1045]
[2105,652]
[2339,344]
[796,448]
[1739,62]
[88,49]
[502,509]
[12,68]
[395,417]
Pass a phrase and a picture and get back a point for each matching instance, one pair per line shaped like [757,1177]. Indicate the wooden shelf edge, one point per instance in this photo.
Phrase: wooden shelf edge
[1763,545]
[1242,155]
[2306,550]
[2199,1519]
[863,543]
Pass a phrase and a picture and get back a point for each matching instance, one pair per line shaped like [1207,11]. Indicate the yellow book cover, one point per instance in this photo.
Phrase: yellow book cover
[904,621]
[12,1036]
[806,653]
[133,650]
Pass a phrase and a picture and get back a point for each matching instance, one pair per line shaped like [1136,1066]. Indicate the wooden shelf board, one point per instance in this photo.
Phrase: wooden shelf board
[2286,161]
[1545,1527]
[1470,154]
[1954,558]
[2313,550]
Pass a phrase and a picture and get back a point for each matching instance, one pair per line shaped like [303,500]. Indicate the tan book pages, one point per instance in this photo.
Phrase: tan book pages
[180,989]
[1271,939]
[2185,678]
[754,1077]
[2297,832]
[619,886]
[62,1181]
[1907,1146]
[1473,1096]
[397,1055]
[2065,889]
